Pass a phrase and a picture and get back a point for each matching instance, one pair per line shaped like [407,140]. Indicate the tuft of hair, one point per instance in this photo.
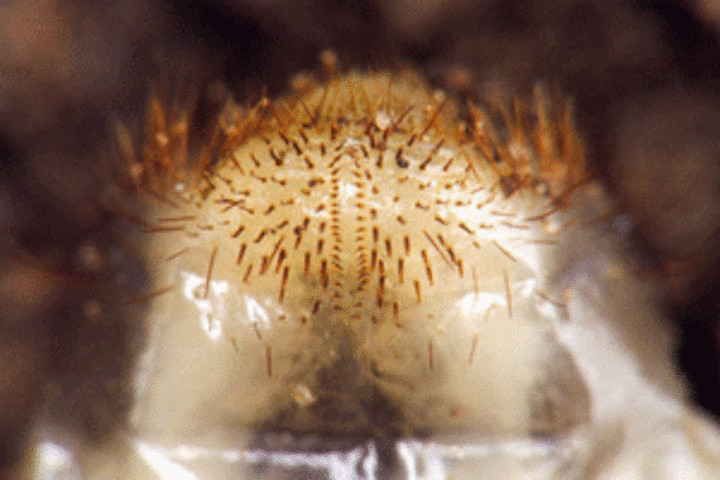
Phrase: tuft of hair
[535,145]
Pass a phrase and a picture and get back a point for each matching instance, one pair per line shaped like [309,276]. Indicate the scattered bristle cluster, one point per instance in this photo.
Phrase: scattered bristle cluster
[339,229]
[535,143]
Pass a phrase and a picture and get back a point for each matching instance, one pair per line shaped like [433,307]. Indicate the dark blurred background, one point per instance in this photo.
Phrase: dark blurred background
[645,76]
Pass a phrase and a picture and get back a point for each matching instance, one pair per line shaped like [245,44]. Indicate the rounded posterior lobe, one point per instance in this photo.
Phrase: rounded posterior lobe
[356,268]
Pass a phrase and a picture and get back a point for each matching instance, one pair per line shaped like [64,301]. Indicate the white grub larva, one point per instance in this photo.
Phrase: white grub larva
[357,263]
[311,193]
